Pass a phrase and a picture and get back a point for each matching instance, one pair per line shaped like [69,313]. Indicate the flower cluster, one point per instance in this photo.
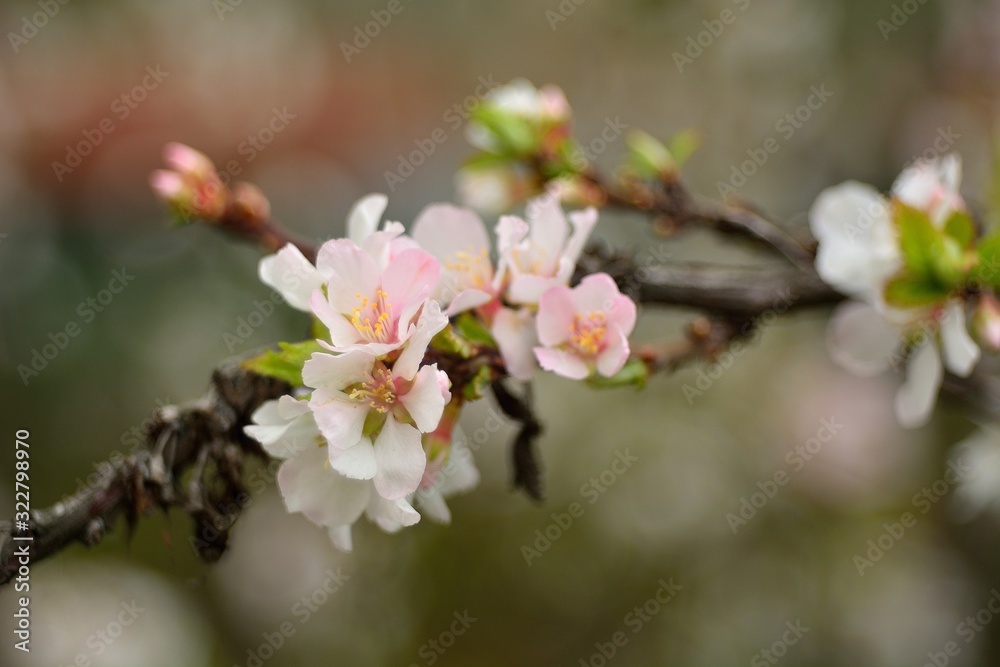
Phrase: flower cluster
[371,427]
[913,266]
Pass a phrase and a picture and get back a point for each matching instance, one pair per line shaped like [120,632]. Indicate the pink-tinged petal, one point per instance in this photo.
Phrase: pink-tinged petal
[595,293]
[341,538]
[341,421]
[342,332]
[860,340]
[391,515]
[612,358]
[431,322]
[167,185]
[528,289]
[400,458]
[380,245]
[961,354]
[623,314]
[514,332]
[915,399]
[583,223]
[336,371]
[283,427]
[444,230]
[363,219]
[326,497]
[433,506]
[932,186]
[467,300]
[292,275]
[410,279]
[549,230]
[562,362]
[350,271]
[357,462]
[510,231]
[556,314]
[185,159]
[424,401]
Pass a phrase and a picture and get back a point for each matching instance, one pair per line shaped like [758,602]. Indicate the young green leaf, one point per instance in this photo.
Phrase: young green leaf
[285,363]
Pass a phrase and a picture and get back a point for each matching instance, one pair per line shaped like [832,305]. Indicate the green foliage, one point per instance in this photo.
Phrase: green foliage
[634,373]
[286,362]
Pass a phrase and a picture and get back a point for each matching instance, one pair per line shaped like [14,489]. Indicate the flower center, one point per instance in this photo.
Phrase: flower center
[588,331]
[473,264]
[373,317]
[377,389]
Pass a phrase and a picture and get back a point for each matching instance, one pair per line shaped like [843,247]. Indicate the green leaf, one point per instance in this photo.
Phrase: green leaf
[647,154]
[477,386]
[285,363]
[907,291]
[989,260]
[961,228]
[683,145]
[473,329]
[948,262]
[917,236]
[447,340]
[515,135]
[634,373]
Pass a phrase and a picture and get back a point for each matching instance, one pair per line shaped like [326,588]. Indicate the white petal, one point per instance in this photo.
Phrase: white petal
[357,462]
[860,340]
[341,537]
[401,460]
[961,354]
[391,515]
[424,401]
[562,362]
[336,371]
[340,420]
[467,300]
[583,223]
[326,497]
[433,506]
[364,217]
[514,332]
[915,399]
[292,275]
[431,322]
[283,427]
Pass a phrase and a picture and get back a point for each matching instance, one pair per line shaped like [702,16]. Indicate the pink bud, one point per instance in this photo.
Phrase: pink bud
[187,160]
[251,201]
[168,185]
[986,321]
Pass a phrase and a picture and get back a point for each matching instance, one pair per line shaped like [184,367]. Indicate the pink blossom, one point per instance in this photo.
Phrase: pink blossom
[585,329]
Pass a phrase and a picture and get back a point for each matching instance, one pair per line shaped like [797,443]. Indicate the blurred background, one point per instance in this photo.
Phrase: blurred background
[693,554]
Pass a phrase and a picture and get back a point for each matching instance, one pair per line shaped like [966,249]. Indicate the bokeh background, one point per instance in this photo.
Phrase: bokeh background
[226,68]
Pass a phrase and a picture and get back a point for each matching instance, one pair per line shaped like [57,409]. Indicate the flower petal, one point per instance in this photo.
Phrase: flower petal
[391,515]
[357,462]
[549,230]
[583,223]
[336,371]
[612,358]
[364,217]
[556,314]
[562,362]
[350,271]
[340,536]
[860,340]
[444,230]
[514,332]
[961,354]
[915,399]
[292,275]
[431,322]
[283,427]
[467,300]
[401,460]
[325,496]
[424,401]
[341,421]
